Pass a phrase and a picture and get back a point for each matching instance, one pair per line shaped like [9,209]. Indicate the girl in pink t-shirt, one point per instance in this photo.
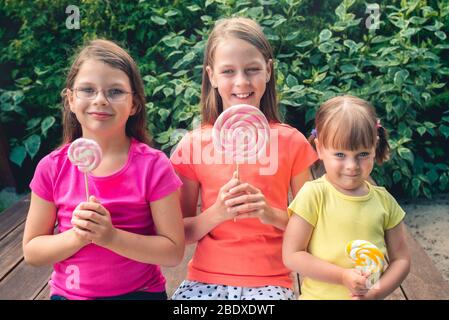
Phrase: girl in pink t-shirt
[109,247]
[239,230]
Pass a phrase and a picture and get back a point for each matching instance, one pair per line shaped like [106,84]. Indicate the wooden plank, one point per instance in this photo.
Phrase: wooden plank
[24,282]
[396,295]
[44,294]
[14,216]
[175,275]
[424,281]
[11,250]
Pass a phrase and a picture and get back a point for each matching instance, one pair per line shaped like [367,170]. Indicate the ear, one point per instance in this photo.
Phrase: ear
[317,147]
[70,98]
[210,73]
[269,68]
[134,108]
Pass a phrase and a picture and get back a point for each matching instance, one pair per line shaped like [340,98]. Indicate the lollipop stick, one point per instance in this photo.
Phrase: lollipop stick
[238,178]
[87,187]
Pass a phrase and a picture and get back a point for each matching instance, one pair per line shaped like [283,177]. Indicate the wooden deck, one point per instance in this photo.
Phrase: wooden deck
[21,281]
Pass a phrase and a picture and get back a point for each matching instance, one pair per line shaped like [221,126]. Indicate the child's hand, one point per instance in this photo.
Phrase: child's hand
[355,281]
[92,221]
[249,202]
[220,207]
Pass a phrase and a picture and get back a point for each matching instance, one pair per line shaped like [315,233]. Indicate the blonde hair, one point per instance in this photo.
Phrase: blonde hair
[113,55]
[350,123]
[247,30]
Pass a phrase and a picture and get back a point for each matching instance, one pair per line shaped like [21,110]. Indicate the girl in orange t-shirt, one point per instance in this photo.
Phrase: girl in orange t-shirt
[240,228]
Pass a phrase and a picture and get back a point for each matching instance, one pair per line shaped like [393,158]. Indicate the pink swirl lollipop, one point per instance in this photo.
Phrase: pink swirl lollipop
[241,132]
[86,155]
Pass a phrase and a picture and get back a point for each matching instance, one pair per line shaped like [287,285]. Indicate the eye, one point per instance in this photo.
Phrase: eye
[364,154]
[340,155]
[115,92]
[253,70]
[86,90]
[227,71]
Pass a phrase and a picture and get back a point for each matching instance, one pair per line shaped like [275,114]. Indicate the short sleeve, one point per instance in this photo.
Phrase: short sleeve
[306,204]
[182,157]
[302,153]
[163,179]
[42,183]
[395,215]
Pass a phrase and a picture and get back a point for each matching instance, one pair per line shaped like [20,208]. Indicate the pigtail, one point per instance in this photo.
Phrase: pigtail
[382,148]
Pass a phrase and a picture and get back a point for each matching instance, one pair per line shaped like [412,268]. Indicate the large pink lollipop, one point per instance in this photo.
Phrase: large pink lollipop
[86,155]
[241,132]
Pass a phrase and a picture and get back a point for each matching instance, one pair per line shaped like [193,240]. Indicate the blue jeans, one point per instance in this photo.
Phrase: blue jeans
[128,296]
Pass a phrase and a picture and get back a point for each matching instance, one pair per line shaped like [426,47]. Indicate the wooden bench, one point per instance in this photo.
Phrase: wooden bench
[21,281]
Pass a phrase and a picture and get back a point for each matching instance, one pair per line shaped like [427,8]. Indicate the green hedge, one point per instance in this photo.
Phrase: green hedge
[322,49]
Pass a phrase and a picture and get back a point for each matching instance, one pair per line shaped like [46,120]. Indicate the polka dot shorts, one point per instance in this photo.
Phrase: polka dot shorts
[194,290]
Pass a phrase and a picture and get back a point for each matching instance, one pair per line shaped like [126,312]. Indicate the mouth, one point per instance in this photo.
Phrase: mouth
[100,115]
[243,95]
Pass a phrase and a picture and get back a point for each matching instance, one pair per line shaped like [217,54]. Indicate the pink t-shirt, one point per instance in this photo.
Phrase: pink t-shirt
[95,271]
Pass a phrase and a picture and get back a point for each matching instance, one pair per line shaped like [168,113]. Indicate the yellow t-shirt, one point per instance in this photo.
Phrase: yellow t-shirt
[337,219]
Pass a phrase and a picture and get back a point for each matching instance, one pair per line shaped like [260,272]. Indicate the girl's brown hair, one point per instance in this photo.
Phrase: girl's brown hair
[247,30]
[350,123]
[110,53]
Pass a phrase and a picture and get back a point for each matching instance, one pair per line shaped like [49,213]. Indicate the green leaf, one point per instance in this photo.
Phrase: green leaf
[406,154]
[349,68]
[400,77]
[291,81]
[32,145]
[440,34]
[164,113]
[396,176]
[17,155]
[421,130]
[194,8]
[444,130]
[168,92]
[444,180]
[326,47]
[325,35]
[158,20]
[304,44]
[47,124]
[24,81]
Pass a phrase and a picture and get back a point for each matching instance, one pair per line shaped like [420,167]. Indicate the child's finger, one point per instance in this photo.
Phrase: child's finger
[244,198]
[87,215]
[244,187]
[94,206]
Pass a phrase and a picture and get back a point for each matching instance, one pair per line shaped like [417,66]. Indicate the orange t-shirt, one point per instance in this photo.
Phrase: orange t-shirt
[246,252]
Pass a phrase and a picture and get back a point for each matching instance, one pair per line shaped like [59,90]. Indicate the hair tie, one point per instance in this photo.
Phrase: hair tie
[314,133]
[378,125]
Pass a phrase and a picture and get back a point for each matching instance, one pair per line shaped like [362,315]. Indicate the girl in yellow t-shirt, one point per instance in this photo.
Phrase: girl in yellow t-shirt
[342,206]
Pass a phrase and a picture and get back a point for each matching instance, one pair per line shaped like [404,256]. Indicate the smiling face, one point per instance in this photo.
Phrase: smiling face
[239,72]
[347,170]
[100,115]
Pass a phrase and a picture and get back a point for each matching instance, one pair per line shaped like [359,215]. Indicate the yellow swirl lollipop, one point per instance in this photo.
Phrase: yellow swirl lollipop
[367,258]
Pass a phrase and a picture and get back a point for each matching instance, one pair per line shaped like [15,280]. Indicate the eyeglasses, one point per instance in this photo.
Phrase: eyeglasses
[112,95]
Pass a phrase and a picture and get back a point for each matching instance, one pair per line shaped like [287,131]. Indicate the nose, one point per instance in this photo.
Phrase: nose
[352,163]
[242,79]
[100,98]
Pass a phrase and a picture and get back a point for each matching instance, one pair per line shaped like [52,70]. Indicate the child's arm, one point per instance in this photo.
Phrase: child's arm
[399,265]
[40,245]
[166,248]
[254,204]
[296,258]
[197,226]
